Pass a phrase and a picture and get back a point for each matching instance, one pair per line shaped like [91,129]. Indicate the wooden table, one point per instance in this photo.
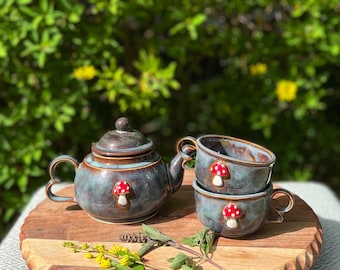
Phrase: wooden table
[294,244]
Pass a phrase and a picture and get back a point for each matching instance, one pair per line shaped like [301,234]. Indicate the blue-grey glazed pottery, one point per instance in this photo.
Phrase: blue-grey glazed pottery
[234,216]
[229,165]
[123,179]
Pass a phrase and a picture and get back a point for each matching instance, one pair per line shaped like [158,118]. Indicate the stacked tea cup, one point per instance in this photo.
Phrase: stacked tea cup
[233,189]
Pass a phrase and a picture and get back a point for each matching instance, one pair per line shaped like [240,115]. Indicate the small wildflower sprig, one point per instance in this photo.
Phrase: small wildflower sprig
[120,258]
[117,257]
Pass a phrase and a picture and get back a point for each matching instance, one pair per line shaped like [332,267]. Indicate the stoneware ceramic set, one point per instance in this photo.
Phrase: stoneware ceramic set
[124,180]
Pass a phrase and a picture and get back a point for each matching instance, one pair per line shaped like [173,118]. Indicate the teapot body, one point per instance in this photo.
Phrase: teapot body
[123,179]
[121,190]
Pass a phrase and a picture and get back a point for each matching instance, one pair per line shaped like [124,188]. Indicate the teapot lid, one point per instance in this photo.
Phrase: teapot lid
[122,141]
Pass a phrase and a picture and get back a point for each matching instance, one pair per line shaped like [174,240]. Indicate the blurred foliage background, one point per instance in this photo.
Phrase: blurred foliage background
[265,71]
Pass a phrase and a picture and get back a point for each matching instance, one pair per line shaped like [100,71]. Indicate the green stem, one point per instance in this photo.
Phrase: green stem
[147,247]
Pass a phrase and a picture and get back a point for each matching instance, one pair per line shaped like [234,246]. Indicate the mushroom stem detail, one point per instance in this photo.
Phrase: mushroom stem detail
[122,200]
[231,223]
[217,181]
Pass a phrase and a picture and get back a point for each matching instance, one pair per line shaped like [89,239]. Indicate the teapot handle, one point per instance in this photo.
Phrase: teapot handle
[184,146]
[55,179]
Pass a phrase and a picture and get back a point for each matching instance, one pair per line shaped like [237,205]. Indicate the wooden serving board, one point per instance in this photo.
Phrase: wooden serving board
[293,244]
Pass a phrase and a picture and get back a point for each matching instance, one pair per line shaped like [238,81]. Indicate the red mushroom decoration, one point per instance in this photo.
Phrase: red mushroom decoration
[232,213]
[121,189]
[220,172]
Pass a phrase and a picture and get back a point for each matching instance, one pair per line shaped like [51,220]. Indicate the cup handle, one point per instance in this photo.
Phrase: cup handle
[282,210]
[186,146]
[270,174]
[55,179]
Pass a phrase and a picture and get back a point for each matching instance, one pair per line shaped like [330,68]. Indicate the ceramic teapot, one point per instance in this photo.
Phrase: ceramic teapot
[123,179]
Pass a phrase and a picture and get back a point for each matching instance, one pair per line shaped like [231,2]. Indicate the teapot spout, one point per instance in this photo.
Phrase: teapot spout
[176,169]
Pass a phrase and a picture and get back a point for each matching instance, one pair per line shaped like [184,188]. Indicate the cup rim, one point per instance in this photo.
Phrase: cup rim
[238,161]
[263,193]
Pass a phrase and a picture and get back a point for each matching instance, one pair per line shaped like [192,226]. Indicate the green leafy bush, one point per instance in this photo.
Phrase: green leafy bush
[265,72]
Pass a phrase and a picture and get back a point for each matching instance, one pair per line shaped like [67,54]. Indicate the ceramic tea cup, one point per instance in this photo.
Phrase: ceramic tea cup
[229,165]
[234,216]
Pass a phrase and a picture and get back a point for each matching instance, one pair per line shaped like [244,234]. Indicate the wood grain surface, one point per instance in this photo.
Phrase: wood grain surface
[293,244]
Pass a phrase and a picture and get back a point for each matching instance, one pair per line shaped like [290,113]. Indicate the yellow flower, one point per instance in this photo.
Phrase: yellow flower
[88,255]
[100,248]
[286,90]
[125,260]
[106,263]
[116,250]
[85,73]
[258,69]
[100,257]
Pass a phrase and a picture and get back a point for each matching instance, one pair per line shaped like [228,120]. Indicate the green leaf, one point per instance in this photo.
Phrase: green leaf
[154,234]
[335,49]
[36,22]
[30,48]
[195,239]
[24,2]
[179,261]
[310,70]
[22,183]
[66,4]
[203,238]
[299,113]
[9,213]
[209,241]
[28,11]
[192,31]
[9,183]
[198,19]
[27,158]
[59,125]
[41,59]
[50,18]
[43,5]
[177,28]
[74,17]
[68,110]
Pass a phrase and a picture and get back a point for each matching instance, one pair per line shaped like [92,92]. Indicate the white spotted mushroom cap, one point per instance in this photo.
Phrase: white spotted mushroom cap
[121,187]
[232,211]
[220,169]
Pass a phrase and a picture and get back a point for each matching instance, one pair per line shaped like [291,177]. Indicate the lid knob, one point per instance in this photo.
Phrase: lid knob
[122,124]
